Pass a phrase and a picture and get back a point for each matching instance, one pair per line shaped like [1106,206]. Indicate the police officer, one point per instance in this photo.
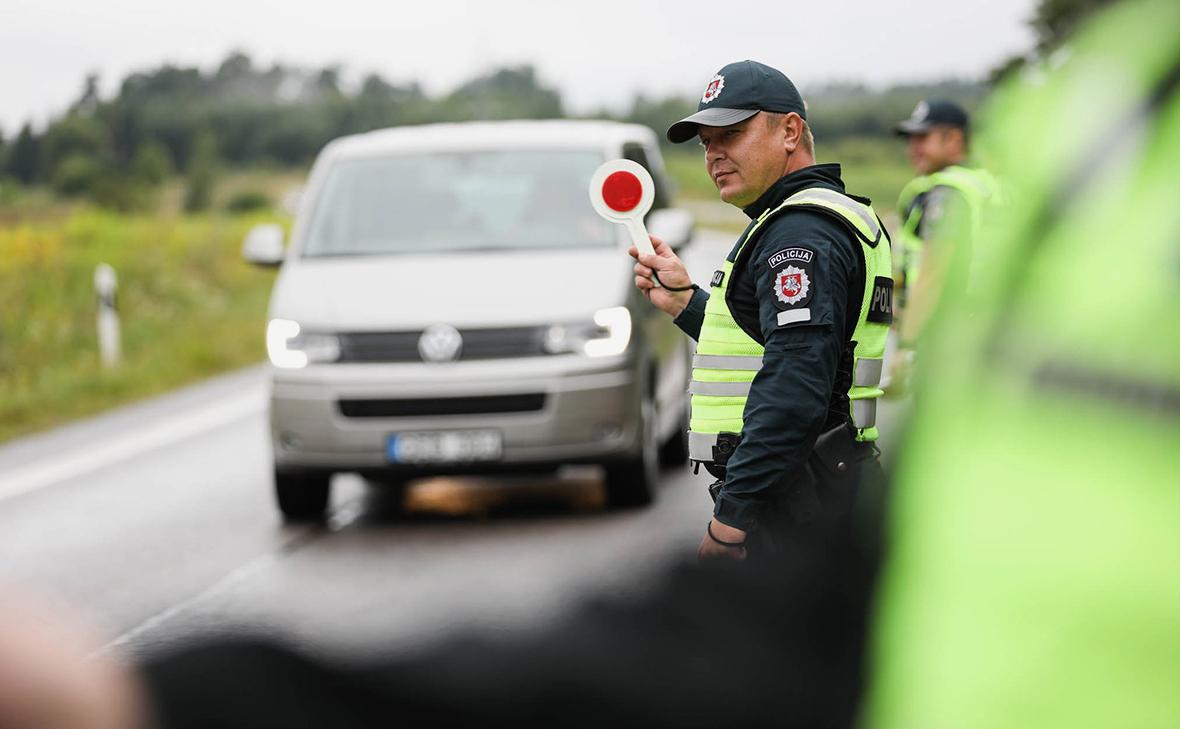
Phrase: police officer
[1035,573]
[940,211]
[792,333]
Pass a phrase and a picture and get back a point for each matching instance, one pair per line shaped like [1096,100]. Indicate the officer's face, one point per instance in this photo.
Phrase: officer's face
[933,150]
[744,159]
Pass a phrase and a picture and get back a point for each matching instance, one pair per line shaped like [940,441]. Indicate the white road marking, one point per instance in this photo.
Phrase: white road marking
[236,576]
[114,450]
[347,513]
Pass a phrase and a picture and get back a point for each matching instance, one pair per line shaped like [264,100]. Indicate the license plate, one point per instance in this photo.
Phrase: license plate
[444,446]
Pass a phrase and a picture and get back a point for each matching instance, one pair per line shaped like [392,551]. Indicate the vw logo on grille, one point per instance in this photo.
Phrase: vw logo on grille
[440,343]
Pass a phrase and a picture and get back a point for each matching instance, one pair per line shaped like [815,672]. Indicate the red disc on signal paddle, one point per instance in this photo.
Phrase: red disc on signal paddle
[621,191]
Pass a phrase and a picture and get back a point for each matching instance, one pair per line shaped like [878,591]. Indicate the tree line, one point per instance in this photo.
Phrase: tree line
[181,120]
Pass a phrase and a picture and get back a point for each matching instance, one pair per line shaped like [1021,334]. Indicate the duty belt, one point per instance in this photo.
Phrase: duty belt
[867,373]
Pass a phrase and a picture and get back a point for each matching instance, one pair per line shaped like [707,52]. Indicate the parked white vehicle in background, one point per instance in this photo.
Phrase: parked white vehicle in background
[450,303]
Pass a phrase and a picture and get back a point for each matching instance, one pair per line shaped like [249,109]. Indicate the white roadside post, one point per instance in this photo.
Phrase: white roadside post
[106,284]
[622,191]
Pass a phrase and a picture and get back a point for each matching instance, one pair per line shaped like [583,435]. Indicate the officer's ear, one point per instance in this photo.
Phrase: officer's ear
[792,131]
[950,137]
[959,137]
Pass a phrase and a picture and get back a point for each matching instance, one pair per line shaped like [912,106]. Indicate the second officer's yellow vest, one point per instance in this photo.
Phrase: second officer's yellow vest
[727,358]
[977,187]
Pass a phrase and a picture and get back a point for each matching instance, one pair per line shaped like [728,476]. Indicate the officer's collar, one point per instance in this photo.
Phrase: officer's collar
[825,175]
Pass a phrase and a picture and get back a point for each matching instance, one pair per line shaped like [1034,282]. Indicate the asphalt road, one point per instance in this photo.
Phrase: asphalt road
[156,521]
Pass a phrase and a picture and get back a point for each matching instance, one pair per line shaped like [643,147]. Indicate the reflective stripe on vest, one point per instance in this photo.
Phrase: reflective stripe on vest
[720,389]
[717,362]
[864,412]
[700,445]
[859,215]
[867,372]
[727,358]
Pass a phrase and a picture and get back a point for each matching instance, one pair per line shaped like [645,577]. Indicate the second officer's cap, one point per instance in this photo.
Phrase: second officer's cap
[736,93]
[932,113]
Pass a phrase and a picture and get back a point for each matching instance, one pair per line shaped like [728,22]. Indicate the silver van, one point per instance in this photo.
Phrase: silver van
[450,303]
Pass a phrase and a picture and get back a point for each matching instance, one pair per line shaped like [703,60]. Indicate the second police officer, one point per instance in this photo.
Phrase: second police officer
[791,335]
[940,211]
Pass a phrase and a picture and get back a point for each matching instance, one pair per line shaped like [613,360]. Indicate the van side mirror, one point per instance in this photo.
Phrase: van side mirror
[674,225]
[264,245]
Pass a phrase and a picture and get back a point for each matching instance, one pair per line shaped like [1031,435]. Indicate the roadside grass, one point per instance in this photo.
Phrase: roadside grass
[189,307]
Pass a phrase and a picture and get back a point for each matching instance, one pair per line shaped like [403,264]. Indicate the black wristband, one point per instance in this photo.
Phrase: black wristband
[666,287]
[709,531]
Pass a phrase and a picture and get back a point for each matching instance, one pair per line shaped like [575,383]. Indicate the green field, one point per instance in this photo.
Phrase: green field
[189,307]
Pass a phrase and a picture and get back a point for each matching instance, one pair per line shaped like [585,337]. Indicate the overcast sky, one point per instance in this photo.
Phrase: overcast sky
[597,53]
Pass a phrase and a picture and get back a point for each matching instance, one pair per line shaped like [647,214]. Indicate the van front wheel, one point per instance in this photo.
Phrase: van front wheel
[633,482]
[302,496]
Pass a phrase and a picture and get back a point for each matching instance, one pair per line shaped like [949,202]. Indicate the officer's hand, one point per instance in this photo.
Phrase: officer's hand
[711,549]
[672,273]
[48,682]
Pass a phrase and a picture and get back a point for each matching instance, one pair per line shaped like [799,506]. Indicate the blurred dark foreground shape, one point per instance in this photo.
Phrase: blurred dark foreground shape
[712,646]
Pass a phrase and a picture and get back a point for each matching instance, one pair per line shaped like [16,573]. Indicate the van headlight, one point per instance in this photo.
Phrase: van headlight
[608,335]
[289,347]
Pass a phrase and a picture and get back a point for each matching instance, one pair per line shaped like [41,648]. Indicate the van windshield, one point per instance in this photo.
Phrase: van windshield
[458,201]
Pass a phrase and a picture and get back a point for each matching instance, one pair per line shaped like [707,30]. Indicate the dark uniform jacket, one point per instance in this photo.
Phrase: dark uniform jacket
[802,388]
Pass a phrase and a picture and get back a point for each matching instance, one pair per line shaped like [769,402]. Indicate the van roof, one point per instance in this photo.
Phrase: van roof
[555,133]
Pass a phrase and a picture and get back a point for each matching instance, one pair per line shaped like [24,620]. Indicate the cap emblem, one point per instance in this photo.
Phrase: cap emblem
[921,111]
[713,89]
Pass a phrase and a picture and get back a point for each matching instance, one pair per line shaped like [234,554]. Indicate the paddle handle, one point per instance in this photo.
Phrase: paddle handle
[640,239]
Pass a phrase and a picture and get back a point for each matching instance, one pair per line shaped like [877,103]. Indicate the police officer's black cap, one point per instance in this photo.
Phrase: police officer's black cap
[931,113]
[736,93]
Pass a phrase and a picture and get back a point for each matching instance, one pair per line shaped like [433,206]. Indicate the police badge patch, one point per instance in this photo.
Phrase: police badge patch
[792,276]
[792,285]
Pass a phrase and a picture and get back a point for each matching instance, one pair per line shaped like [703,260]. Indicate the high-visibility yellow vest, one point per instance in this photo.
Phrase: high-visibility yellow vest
[728,358]
[1033,580]
[977,187]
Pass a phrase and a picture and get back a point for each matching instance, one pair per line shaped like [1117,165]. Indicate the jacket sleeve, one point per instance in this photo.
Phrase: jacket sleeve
[693,316]
[801,276]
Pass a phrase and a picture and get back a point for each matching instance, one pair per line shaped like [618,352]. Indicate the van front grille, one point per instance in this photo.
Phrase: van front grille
[409,407]
[500,343]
